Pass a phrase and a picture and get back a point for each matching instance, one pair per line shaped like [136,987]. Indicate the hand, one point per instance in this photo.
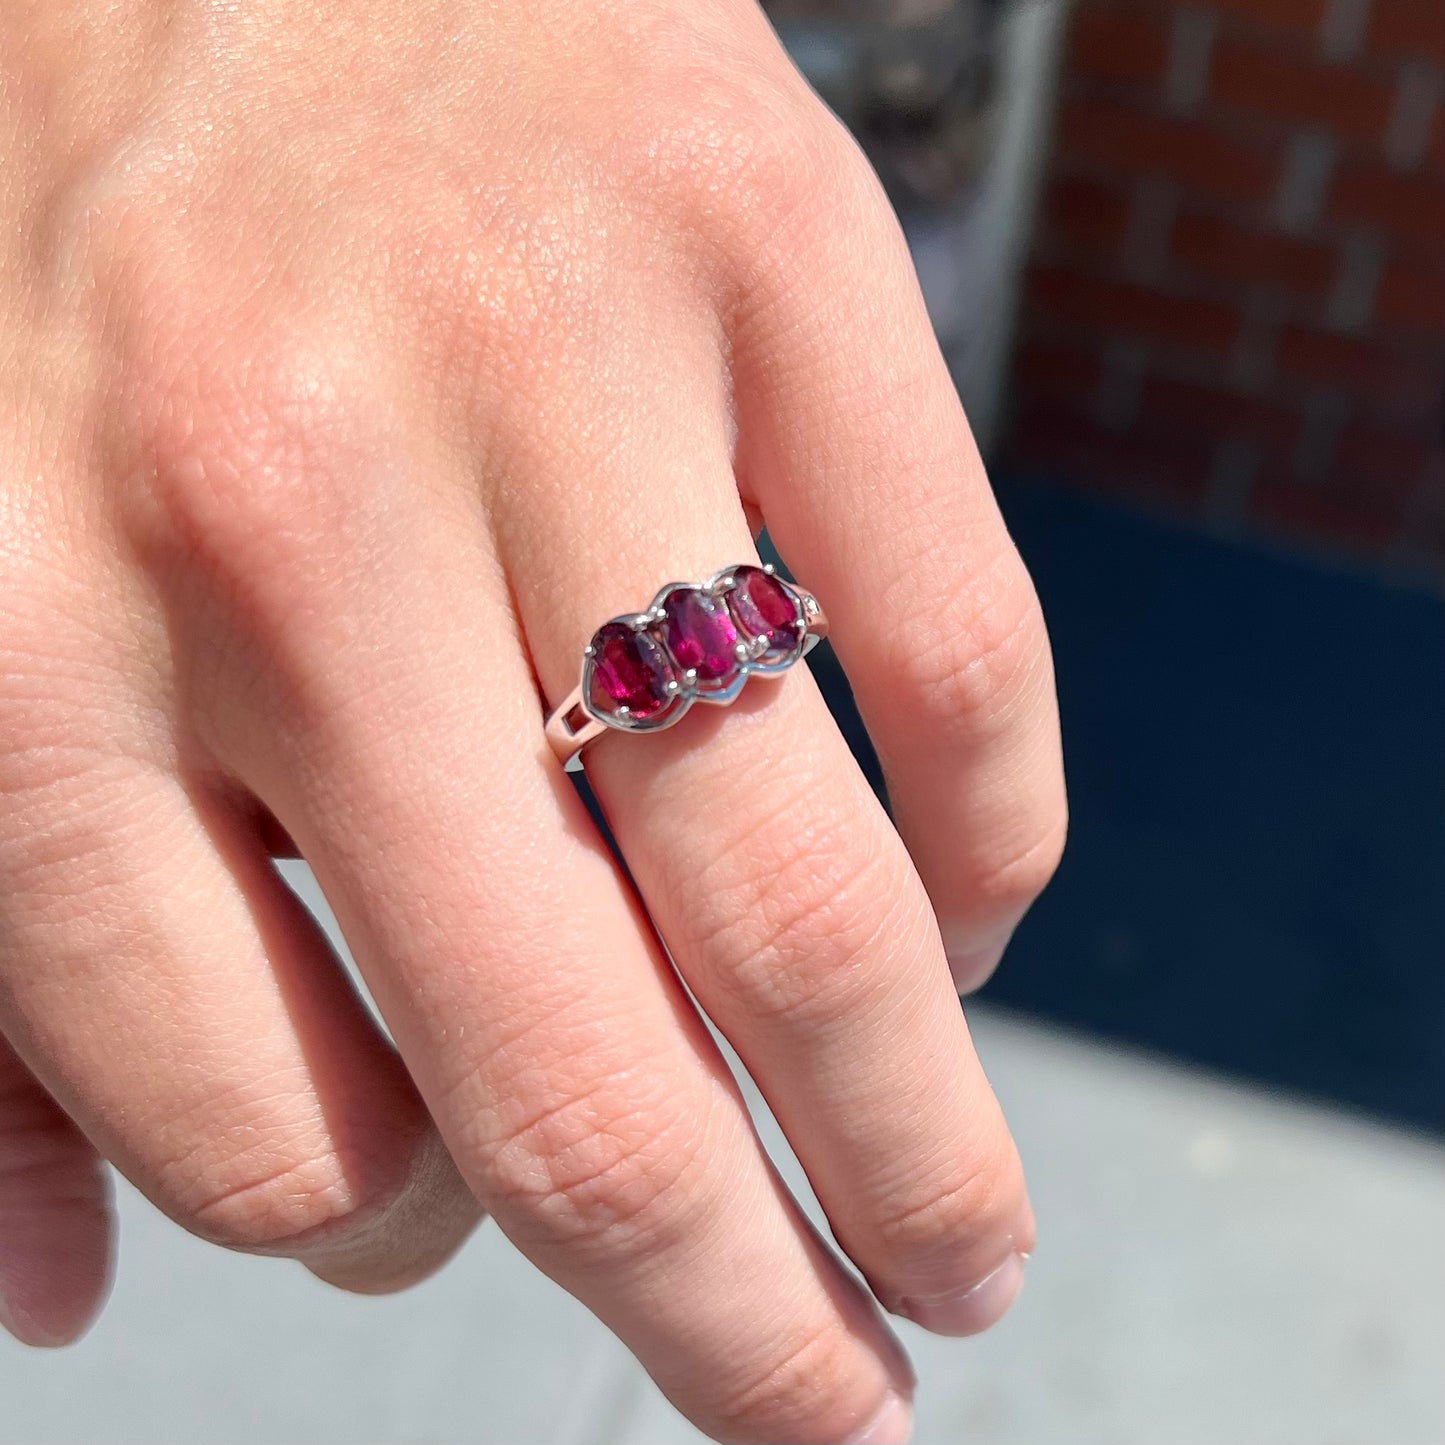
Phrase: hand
[356,362]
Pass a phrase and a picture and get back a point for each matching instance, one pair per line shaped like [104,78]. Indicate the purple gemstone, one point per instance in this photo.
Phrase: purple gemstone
[765,607]
[629,670]
[700,634]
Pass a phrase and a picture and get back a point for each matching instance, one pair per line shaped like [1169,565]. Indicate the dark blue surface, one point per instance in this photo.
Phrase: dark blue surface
[1255,878]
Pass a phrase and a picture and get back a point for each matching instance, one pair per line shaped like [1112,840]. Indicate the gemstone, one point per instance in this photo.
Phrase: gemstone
[700,634]
[629,670]
[765,608]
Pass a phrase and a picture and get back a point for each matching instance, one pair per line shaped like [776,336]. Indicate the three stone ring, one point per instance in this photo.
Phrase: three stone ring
[694,643]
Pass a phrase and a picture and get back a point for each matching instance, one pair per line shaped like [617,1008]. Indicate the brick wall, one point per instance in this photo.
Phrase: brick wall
[1235,302]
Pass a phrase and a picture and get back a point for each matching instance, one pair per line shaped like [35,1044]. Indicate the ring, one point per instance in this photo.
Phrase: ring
[695,643]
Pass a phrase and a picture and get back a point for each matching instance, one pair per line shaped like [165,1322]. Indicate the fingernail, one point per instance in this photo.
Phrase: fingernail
[972,964]
[28,1331]
[967,1311]
[892,1425]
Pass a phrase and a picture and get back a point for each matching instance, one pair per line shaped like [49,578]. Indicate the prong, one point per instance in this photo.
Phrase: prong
[742,651]
[690,676]
[589,651]
[760,645]
[769,568]
[673,687]
[623,711]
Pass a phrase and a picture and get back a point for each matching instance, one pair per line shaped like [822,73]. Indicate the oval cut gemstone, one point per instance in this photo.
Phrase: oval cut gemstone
[766,608]
[629,670]
[700,634]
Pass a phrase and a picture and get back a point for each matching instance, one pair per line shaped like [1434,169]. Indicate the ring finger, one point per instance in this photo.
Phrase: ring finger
[785,898]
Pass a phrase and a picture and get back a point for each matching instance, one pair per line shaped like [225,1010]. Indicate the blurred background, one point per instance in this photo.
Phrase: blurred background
[1185,261]
[1186,264]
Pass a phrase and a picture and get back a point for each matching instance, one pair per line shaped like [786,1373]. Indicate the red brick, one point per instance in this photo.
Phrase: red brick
[1296,91]
[1121,141]
[1083,216]
[1296,509]
[1218,413]
[1125,309]
[1118,46]
[1428,506]
[1054,368]
[1401,381]
[1063,443]
[1410,208]
[1380,466]
[1227,252]
[1413,28]
[1412,297]
[1294,17]
[1415,409]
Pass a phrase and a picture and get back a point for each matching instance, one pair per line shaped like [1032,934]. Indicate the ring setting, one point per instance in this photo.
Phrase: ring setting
[695,642]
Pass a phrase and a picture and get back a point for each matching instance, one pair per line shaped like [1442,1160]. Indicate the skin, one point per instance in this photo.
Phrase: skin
[356,361]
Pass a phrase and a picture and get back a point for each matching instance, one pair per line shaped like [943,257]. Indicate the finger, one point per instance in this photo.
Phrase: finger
[396,735]
[785,897]
[853,442]
[55,1215]
[177,1001]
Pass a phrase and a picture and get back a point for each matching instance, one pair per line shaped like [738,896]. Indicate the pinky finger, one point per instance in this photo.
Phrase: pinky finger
[55,1215]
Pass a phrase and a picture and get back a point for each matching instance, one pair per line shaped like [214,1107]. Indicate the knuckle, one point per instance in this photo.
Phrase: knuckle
[294,1207]
[766,161]
[251,1168]
[256,500]
[808,194]
[926,1227]
[607,1169]
[239,447]
[986,683]
[1006,882]
[797,910]
[970,681]
[799,1387]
